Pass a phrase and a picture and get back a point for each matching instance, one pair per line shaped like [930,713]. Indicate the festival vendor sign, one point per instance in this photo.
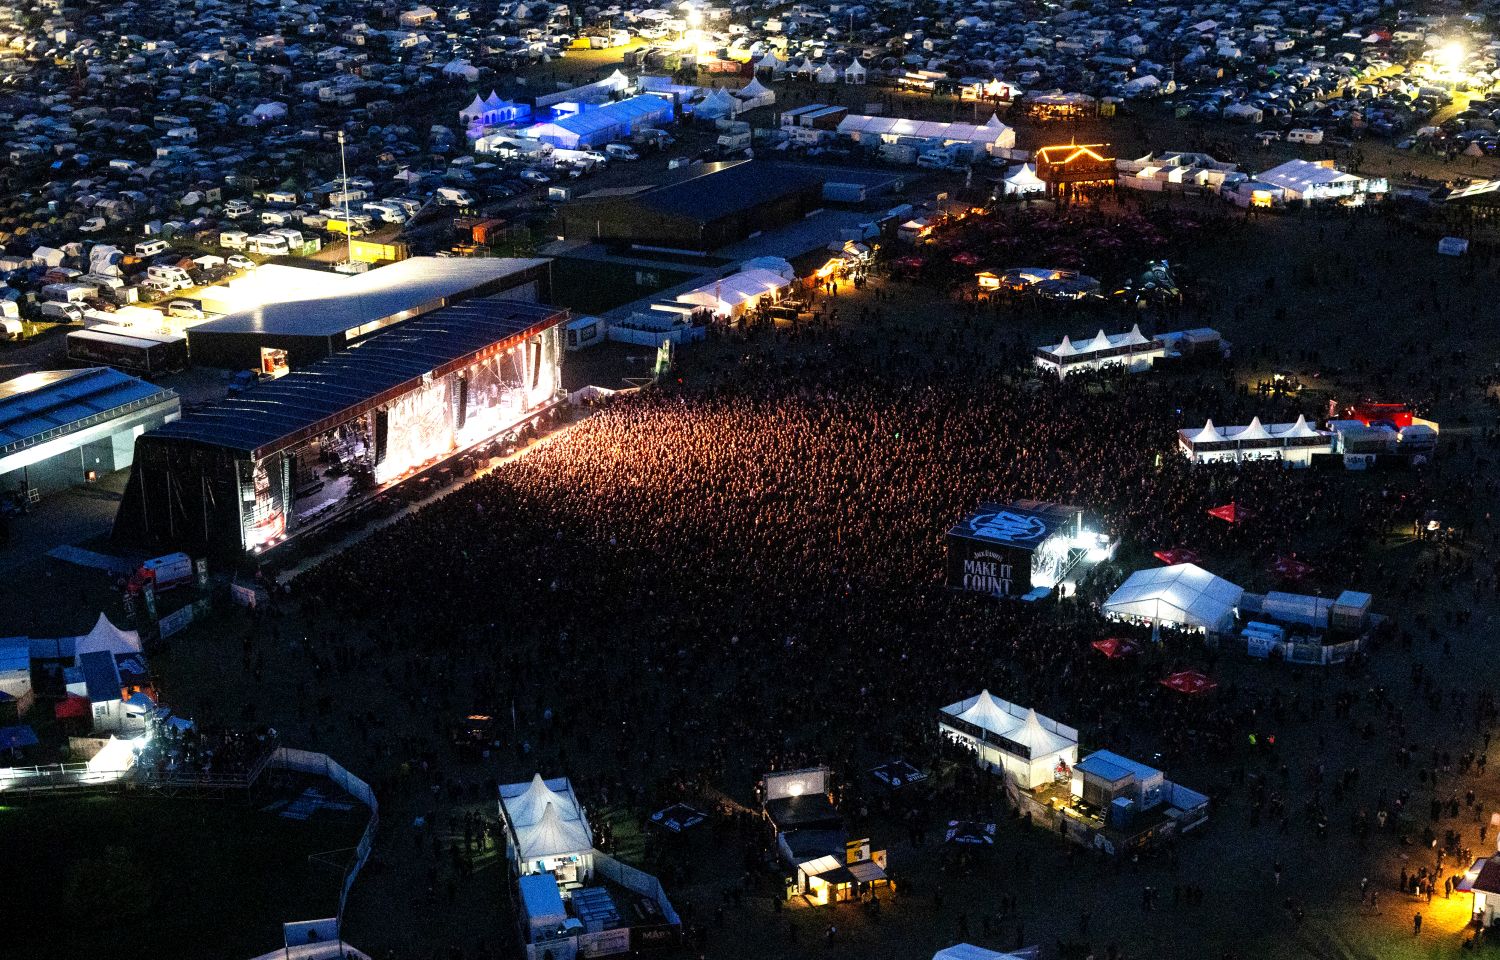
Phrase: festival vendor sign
[991,550]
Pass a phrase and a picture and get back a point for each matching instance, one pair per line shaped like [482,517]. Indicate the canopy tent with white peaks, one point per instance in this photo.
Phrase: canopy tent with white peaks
[754,94]
[1295,444]
[856,73]
[553,837]
[1183,595]
[719,103]
[775,65]
[1024,181]
[1132,350]
[107,636]
[523,803]
[546,830]
[1029,748]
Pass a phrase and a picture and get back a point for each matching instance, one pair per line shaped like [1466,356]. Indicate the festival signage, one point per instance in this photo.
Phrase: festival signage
[991,550]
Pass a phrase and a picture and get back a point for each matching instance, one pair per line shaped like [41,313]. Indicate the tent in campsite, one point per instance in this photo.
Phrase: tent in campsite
[1011,739]
[1184,595]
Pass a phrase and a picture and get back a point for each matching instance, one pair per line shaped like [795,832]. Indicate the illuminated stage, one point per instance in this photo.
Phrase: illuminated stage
[291,455]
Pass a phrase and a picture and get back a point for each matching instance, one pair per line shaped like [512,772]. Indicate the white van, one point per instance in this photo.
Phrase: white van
[176,276]
[235,209]
[233,239]
[455,196]
[150,248]
[60,312]
[1304,136]
[267,245]
[621,151]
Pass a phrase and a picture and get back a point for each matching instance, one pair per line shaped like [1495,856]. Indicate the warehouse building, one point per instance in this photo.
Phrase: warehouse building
[61,428]
[292,454]
[311,314]
[718,204]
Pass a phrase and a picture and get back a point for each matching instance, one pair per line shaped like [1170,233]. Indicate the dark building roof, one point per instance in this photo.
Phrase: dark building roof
[274,415]
[56,402]
[718,190]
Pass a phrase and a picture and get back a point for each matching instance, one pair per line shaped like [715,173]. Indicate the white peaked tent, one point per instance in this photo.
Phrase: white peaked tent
[1183,595]
[856,73]
[107,637]
[719,103]
[1209,433]
[552,836]
[771,62]
[269,111]
[1024,181]
[524,806]
[1047,749]
[1301,430]
[754,94]
[988,713]
[1013,740]
[805,66]
[1135,337]
[827,74]
[473,111]
[1066,348]
[1100,341]
[1253,432]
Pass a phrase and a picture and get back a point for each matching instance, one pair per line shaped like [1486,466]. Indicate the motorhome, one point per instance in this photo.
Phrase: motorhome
[150,248]
[267,245]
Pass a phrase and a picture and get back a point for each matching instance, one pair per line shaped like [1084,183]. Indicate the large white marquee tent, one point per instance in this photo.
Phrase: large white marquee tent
[1182,595]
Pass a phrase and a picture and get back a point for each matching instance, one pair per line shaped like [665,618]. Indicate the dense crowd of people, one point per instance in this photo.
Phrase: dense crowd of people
[702,582]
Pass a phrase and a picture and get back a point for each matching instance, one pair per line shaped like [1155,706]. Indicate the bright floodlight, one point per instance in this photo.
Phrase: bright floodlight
[694,17]
[1450,56]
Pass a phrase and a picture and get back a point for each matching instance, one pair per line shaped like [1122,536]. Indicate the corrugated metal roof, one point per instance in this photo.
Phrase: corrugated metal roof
[264,418]
[50,400]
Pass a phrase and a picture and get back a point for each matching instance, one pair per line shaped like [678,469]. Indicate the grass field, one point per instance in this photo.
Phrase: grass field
[98,875]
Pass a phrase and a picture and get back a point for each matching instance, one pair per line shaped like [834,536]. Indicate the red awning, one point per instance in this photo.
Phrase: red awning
[1191,682]
[1176,555]
[1231,513]
[1115,647]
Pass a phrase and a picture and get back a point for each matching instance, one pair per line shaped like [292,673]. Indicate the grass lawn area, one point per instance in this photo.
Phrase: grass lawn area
[190,878]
